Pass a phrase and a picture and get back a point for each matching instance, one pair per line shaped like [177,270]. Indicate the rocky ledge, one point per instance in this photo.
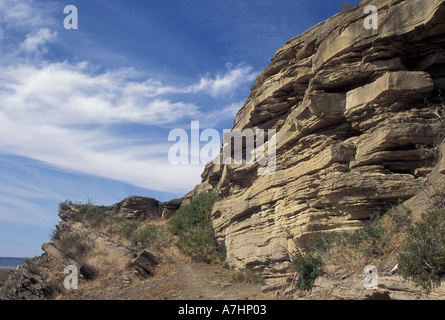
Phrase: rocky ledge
[90,239]
[358,114]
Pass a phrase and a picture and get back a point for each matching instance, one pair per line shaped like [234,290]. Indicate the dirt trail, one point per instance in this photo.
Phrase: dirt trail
[185,280]
[176,278]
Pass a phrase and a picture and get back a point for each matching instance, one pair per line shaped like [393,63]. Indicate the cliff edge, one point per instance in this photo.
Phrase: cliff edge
[357,114]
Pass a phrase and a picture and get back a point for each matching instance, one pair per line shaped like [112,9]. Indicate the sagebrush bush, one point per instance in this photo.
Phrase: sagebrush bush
[422,256]
[192,214]
[193,226]
[308,267]
[123,227]
[346,6]
[145,236]
[95,216]
[382,235]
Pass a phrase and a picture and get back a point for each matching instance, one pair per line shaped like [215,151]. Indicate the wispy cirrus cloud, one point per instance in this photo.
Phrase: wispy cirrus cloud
[225,83]
[65,94]
[62,93]
[36,40]
[92,120]
[63,115]
[26,29]
[20,13]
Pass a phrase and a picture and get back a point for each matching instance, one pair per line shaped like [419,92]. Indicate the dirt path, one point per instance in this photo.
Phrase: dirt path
[194,281]
[176,278]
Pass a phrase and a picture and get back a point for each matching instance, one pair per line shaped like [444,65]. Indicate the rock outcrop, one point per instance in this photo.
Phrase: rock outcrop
[24,285]
[92,241]
[357,114]
[359,117]
[143,208]
[390,287]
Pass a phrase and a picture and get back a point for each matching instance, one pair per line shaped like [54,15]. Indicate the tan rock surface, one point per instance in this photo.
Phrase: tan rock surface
[356,114]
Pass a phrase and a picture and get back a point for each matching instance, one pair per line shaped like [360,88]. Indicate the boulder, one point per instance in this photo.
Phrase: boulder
[146,261]
[85,270]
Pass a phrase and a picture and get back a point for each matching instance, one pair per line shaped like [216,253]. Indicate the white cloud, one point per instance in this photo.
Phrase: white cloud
[27,27]
[62,94]
[25,14]
[226,113]
[224,83]
[17,11]
[36,40]
[97,153]
[63,115]
[23,203]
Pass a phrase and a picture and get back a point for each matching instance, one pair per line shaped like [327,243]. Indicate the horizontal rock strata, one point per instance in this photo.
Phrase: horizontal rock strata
[357,114]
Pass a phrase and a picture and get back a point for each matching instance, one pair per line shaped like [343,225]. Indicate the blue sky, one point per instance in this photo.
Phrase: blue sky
[86,113]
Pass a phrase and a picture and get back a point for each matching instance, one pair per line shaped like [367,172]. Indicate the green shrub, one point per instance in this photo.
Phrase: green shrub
[380,236]
[320,244]
[193,226]
[308,268]
[135,231]
[128,229]
[190,215]
[199,243]
[146,236]
[422,257]
[94,215]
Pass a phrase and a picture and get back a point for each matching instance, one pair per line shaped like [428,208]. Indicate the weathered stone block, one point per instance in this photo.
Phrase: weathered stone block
[146,261]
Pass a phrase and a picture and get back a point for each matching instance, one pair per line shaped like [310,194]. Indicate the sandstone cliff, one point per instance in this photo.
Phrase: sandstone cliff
[357,114]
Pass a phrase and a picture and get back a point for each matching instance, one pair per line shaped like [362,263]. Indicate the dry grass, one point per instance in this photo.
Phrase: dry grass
[346,6]
[109,262]
[246,276]
[161,292]
[376,243]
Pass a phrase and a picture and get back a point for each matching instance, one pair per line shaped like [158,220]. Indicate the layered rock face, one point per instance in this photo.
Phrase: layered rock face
[142,208]
[357,114]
